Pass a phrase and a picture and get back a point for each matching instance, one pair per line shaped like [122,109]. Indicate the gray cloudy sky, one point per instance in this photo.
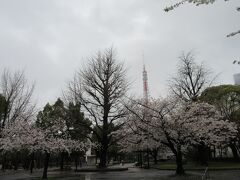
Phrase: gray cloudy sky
[50,39]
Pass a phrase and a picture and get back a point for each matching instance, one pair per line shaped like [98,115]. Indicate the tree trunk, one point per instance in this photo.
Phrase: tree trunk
[32,163]
[4,162]
[155,154]
[148,165]
[179,170]
[96,157]
[46,161]
[62,161]
[221,152]
[155,159]
[38,161]
[76,161]
[141,159]
[103,157]
[203,155]
[104,145]
[16,161]
[234,152]
[214,152]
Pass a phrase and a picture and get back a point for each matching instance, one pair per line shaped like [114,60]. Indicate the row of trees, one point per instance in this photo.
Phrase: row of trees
[98,90]
[178,127]
[22,136]
[194,116]
[55,131]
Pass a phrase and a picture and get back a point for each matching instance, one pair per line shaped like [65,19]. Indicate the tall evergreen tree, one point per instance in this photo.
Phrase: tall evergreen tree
[78,126]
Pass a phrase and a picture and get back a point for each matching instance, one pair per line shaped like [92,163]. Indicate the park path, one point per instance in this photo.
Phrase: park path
[131,174]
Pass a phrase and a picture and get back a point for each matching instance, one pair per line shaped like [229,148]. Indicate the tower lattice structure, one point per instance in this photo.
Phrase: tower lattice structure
[145,110]
[145,86]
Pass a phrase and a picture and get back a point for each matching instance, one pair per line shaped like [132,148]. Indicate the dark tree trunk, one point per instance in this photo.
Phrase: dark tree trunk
[154,155]
[140,158]
[140,161]
[221,153]
[234,151]
[155,159]
[103,157]
[76,161]
[96,157]
[178,154]
[32,163]
[15,165]
[214,152]
[148,165]
[76,164]
[39,160]
[4,162]
[179,170]
[46,161]
[104,142]
[203,154]
[80,162]
[62,161]
[16,161]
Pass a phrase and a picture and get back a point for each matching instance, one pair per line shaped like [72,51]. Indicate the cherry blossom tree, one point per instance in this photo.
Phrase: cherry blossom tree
[178,125]
[195,124]
[189,82]
[138,134]
[58,139]
[226,99]
[15,99]
[21,135]
[63,120]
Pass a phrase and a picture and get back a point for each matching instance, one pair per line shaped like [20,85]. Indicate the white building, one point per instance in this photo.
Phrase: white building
[236,78]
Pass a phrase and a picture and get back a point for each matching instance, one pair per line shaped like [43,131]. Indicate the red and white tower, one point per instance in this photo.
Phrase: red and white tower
[145,110]
[145,85]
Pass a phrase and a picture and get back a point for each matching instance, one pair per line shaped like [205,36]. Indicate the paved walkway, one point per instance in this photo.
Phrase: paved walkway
[131,174]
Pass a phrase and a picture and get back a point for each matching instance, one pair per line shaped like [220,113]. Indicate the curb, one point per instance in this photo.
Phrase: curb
[101,170]
[198,169]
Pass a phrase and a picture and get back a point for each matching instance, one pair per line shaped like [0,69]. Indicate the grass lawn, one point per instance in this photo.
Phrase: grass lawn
[170,165]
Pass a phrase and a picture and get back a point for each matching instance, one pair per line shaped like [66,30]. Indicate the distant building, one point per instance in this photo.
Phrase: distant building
[236,78]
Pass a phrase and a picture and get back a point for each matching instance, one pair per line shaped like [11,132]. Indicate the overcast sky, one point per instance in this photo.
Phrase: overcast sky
[50,39]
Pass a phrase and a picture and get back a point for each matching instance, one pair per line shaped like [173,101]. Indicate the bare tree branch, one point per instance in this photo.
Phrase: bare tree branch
[100,88]
[17,93]
[191,79]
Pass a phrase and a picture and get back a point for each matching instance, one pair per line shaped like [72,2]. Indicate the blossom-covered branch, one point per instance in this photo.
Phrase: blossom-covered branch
[199,2]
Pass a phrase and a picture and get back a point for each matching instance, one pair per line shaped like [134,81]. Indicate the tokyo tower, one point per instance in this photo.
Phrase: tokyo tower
[145,85]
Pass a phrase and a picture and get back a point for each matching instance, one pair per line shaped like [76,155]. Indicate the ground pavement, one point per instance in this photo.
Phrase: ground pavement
[131,174]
